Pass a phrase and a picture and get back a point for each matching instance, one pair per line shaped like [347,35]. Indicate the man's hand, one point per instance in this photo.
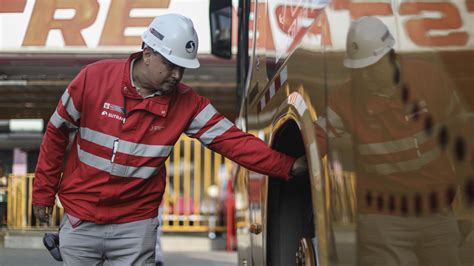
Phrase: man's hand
[300,167]
[43,212]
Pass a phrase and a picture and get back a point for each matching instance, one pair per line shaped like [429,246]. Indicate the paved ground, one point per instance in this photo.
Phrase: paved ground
[36,257]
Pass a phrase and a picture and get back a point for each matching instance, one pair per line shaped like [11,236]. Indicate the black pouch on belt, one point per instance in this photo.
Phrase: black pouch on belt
[51,242]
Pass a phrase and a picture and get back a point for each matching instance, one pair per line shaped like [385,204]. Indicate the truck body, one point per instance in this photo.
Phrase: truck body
[290,71]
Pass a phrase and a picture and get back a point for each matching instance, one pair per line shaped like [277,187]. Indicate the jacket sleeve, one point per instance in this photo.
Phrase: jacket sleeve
[220,135]
[65,119]
[330,130]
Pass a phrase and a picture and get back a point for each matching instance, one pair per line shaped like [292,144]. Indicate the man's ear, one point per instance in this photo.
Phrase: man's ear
[147,53]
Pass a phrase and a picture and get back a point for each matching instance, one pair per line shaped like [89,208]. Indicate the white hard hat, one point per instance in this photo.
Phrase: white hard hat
[174,37]
[368,40]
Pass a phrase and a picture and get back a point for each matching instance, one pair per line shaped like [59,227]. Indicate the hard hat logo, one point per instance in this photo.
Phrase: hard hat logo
[190,47]
[355,47]
[156,34]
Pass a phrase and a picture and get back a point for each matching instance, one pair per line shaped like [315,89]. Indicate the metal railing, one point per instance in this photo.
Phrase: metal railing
[193,199]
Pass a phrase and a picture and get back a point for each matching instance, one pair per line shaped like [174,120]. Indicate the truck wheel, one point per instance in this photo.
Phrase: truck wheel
[305,254]
[289,207]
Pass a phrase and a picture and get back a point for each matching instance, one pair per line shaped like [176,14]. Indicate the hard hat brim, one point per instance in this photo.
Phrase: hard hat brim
[365,62]
[361,63]
[182,62]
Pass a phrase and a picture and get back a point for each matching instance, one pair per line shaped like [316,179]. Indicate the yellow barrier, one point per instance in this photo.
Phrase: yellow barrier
[193,199]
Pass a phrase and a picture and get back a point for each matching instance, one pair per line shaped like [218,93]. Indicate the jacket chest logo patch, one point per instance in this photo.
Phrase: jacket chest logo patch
[156,128]
[112,115]
[110,109]
[113,107]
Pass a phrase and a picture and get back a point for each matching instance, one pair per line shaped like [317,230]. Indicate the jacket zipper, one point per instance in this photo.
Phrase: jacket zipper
[114,150]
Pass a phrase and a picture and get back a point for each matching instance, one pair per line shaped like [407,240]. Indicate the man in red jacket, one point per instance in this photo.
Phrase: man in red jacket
[128,114]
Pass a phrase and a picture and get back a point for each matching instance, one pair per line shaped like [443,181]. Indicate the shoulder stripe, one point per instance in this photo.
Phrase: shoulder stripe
[69,105]
[215,131]
[201,119]
[59,122]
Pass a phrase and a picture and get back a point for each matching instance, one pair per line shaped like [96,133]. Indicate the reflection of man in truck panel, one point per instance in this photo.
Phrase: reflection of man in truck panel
[394,114]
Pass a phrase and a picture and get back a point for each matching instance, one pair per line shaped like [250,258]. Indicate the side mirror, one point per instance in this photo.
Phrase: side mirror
[220,17]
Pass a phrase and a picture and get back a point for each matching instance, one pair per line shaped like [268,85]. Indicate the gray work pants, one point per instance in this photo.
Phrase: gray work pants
[159,247]
[405,241]
[119,244]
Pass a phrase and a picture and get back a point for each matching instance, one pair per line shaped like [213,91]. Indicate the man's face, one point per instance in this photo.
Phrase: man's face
[162,75]
[376,76]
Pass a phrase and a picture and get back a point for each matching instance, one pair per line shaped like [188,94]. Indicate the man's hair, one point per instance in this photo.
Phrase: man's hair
[144,46]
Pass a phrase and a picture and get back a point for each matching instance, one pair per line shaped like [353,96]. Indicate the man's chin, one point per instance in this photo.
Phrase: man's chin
[167,89]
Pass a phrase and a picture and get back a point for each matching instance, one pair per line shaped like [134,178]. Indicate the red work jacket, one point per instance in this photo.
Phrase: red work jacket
[115,170]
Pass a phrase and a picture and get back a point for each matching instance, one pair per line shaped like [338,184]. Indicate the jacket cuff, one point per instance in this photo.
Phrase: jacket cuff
[43,201]
[287,167]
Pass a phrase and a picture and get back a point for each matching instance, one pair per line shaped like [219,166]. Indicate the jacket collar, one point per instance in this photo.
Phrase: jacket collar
[157,105]
[127,89]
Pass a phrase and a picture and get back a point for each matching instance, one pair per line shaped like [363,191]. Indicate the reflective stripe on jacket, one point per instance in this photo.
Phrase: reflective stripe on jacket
[115,172]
